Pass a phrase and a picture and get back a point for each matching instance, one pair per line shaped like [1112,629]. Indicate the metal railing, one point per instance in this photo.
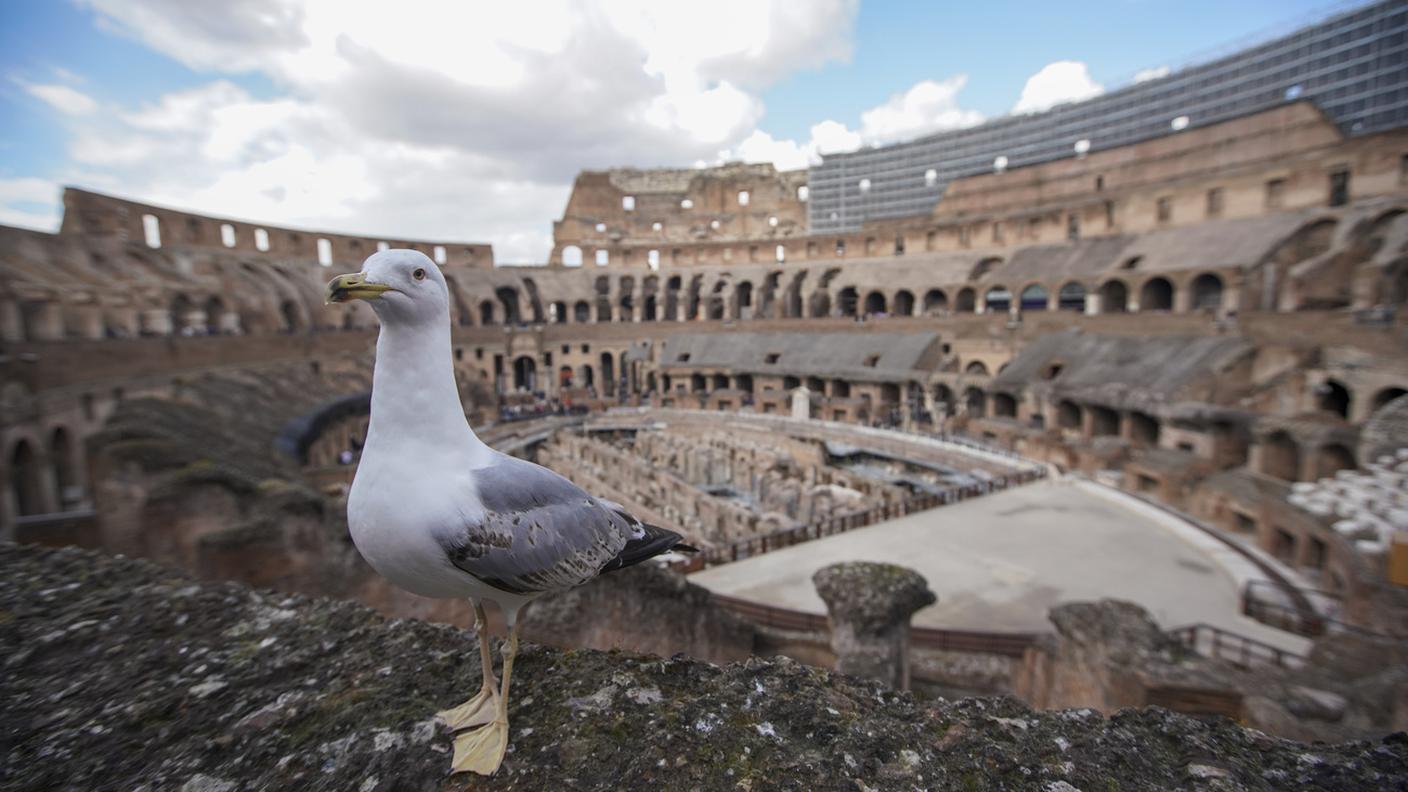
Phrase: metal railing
[837,524]
[931,638]
[1240,650]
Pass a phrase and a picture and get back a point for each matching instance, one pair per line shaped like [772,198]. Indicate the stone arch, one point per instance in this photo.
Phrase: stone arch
[1069,415]
[935,301]
[291,315]
[1207,292]
[847,301]
[943,395]
[742,299]
[904,303]
[181,309]
[608,374]
[571,256]
[977,367]
[1104,421]
[1071,297]
[508,296]
[564,376]
[1156,295]
[1114,296]
[26,481]
[1280,456]
[966,301]
[63,457]
[215,313]
[1333,397]
[1004,405]
[983,267]
[1034,298]
[975,401]
[875,303]
[997,298]
[1331,458]
[486,312]
[581,312]
[525,373]
[559,312]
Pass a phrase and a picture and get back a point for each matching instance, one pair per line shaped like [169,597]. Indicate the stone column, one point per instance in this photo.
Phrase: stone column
[869,606]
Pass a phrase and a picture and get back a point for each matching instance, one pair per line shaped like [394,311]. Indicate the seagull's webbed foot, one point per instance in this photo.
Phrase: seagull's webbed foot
[481,750]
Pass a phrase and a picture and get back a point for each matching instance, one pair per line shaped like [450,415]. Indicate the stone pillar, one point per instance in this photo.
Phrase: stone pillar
[802,403]
[869,606]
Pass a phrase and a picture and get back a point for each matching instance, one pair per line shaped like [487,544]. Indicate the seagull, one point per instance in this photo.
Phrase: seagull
[441,514]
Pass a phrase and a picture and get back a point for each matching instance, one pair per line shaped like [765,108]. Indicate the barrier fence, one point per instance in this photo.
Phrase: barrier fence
[1235,648]
[757,545]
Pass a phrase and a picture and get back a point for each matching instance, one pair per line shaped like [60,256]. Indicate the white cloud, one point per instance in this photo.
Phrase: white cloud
[62,98]
[419,118]
[29,203]
[928,106]
[1144,75]
[1057,83]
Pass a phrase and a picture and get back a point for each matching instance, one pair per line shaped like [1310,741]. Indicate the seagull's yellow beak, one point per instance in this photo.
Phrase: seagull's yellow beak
[354,286]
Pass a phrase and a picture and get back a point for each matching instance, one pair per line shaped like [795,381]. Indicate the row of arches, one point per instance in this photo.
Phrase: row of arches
[43,477]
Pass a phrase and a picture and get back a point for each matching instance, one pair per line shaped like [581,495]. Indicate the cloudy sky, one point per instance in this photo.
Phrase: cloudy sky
[468,120]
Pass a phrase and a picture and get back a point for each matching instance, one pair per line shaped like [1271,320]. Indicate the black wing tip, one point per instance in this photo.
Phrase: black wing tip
[656,541]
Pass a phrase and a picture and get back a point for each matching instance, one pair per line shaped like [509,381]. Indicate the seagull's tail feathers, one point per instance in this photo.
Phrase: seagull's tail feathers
[653,542]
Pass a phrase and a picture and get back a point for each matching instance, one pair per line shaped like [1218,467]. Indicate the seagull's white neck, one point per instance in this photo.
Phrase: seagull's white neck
[415,402]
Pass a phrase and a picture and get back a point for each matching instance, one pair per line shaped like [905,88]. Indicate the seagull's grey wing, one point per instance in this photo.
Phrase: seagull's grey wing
[538,531]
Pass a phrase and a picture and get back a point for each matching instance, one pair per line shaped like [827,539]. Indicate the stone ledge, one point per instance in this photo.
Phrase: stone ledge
[124,674]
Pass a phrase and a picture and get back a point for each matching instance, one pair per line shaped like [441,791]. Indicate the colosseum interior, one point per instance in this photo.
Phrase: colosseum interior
[1202,333]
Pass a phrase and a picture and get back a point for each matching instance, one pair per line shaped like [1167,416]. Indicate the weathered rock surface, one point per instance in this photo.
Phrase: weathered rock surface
[119,674]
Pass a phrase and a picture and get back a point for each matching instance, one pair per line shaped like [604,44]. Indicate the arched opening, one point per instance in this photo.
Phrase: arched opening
[214,315]
[966,301]
[559,313]
[847,300]
[509,297]
[603,309]
[1207,292]
[608,374]
[998,300]
[25,481]
[1004,405]
[1114,297]
[943,397]
[904,303]
[61,456]
[1071,297]
[571,256]
[525,371]
[647,308]
[1143,429]
[874,304]
[1104,422]
[716,308]
[1280,457]
[486,312]
[840,389]
[672,299]
[1334,397]
[742,300]
[564,377]
[581,312]
[976,402]
[698,383]
[1156,295]
[627,305]
[288,309]
[935,302]
[1333,458]
[588,377]
[977,367]
[1068,415]
[720,382]
[181,308]
[1383,397]
[1035,298]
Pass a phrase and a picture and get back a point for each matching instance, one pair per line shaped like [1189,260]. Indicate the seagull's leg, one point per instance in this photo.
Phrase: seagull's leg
[482,750]
[484,707]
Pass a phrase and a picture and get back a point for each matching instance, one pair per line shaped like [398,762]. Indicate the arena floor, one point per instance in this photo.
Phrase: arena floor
[1000,562]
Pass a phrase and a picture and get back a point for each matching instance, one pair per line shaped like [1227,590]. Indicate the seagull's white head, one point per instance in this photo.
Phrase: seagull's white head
[404,287]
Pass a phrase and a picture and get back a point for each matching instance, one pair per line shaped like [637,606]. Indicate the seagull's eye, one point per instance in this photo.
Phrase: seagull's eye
[419,274]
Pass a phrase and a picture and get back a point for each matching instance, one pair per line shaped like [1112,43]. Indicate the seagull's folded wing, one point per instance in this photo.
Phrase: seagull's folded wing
[538,532]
